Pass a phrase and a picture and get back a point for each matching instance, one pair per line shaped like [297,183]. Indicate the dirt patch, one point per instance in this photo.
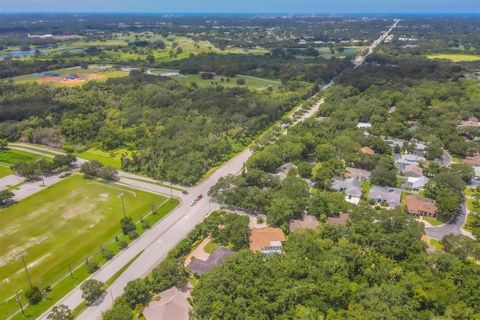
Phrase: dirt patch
[198,252]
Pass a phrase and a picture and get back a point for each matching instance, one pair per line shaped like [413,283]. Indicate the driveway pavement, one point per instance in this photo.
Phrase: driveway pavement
[454,226]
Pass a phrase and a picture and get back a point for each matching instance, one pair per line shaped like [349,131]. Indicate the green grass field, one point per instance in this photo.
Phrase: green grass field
[5,170]
[65,222]
[111,158]
[455,57]
[250,82]
[10,156]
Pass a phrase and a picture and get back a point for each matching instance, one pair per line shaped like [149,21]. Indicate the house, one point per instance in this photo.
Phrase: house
[395,143]
[364,125]
[321,119]
[413,171]
[173,305]
[358,174]
[418,206]
[337,221]
[351,187]
[476,176]
[216,258]
[266,240]
[283,170]
[420,149]
[389,195]
[367,150]
[404,160]
[470,122]
[307,222]
[416,183]
[473,161]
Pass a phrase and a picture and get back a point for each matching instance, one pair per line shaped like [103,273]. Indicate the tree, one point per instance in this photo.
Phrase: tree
[137,292]
[3,144]
[5,195]
[168,273]
[119,311]
[92,290]
[34,295]
[60,312]
[127,225]
[448,204]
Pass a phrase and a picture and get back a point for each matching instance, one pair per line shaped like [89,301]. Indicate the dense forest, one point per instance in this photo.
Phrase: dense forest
[373,268]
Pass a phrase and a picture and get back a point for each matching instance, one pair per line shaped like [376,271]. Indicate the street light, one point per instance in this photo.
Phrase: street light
[123,206]
[20,303]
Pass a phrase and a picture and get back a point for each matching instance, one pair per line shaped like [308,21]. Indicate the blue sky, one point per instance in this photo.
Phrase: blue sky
[245,6]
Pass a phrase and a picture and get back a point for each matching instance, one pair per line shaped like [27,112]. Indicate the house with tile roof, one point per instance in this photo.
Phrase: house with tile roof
[266,240]
[417,206]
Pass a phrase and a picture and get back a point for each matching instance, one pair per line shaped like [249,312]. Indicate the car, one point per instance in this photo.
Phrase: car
[185,192]
[193,202]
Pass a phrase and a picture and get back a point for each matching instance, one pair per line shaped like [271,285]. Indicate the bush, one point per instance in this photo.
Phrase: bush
[127,225]
[34,295]
[137,293]
[241,81]
[133,235]
[92,290]
[92,266]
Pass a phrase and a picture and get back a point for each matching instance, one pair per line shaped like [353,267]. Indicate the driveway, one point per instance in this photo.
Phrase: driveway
[454,226]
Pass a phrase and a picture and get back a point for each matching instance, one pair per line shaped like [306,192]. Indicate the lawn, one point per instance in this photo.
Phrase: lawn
[68,221]
[455,57]
[108,158]
[433,221]
[250,82]
[5,170]
[10,157]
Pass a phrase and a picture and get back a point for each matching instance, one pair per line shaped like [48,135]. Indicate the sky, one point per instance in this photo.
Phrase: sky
[244,6]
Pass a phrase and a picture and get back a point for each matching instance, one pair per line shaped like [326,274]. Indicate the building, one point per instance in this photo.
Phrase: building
[359,174]
[340,220]
[416,183]
[420,149]
[216,258]
[364,125]
[473,161]
[283,170]
[367,150]
[266,240]
[476,177]
[307,222]
[351,187]
[413,171]
[391,196]
[470,122]
[404,160]
[417,206]
[173,305]
[395,143]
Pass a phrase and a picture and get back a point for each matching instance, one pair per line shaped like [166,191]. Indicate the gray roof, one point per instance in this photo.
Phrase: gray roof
[390,195]
[350,186]
[216,258]
[394,143]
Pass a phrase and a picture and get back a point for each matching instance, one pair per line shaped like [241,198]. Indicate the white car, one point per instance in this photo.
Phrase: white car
[193,202]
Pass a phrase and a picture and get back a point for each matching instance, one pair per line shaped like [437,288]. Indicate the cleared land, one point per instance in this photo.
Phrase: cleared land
[455,57]
[228,82]
[70,77]
[66,222]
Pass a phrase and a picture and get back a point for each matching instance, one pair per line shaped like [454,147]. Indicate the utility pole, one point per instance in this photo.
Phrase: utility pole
[41,174]
[111,294]
[70,269]
[20,303]
[26,270]
[123,206]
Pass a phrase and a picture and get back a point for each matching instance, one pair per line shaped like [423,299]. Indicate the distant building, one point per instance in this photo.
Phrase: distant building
[307,222]
[389,195]
[413,171]
[404,160]
[358,174]
[473,161]
[351,187]
[395,143]
[416,183]
[420,149]
[476,176]
[283,170]
[340,220]
[266,240]
[470,122]
[214,259]
[173,305]
[367,150]
[365,125]
[418,206]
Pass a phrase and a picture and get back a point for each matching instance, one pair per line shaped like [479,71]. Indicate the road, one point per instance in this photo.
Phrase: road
[454,226]
[166,234]
[358,61]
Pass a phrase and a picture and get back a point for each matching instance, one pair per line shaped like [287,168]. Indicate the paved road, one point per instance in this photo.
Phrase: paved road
[162,237]
[358,61]
[454,226]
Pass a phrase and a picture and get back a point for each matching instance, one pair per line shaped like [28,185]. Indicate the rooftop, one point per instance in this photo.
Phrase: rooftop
[390,195]
[420,206]
[264,237]
[308,222]
[341,219]
[173,305]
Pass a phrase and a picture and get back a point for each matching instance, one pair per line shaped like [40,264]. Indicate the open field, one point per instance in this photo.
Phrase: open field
[251,82]
[348,51]
[10,157]
[4,170]
[69,77]
[77,214]
[455,57]
[108,158]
